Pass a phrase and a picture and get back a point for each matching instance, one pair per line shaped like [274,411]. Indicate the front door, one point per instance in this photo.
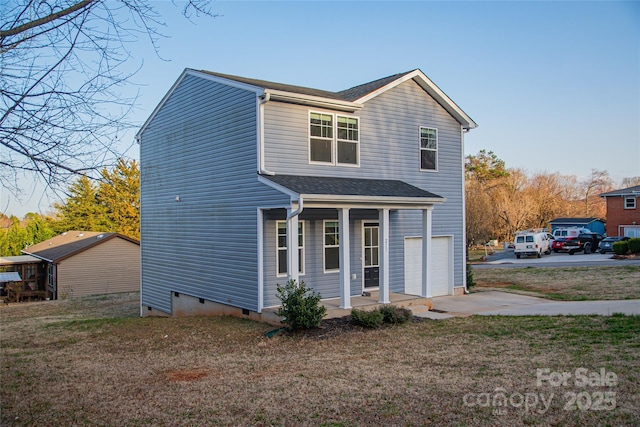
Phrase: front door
[370,249]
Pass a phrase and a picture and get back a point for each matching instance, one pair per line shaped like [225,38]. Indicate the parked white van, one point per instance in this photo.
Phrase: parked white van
[569,232]
[531,242]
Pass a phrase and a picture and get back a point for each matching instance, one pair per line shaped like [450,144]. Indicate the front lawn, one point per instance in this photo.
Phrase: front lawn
[93,362]
[565,283]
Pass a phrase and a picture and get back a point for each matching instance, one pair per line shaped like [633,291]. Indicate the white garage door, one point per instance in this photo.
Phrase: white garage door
[441,265]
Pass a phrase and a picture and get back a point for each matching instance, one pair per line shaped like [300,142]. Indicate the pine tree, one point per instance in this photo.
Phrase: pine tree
[119,192]
[82,209]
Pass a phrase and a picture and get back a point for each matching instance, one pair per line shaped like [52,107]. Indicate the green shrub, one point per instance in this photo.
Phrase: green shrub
[634,245]
[395,315]
[368,319]
[470,281]
[300,307]
[620,248]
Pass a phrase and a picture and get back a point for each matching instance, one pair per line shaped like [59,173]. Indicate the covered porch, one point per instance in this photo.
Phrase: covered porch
[417,304]
[344,196]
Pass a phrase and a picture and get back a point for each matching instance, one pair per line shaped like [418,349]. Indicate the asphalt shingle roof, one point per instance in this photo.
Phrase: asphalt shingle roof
[350,95]
[317,185]
[69,243]
[631,191]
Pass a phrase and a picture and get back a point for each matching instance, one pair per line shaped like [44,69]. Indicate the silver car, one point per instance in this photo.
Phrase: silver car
[606,245]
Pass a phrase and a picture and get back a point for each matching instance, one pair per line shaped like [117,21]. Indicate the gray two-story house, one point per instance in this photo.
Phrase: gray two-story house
[247,183]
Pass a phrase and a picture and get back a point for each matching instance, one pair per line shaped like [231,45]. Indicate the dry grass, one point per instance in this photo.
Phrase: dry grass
[570,283]
[92,362]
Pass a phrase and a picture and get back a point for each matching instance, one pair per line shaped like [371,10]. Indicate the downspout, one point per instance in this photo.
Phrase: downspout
[297,211]
[292,214]
[263,99]
[465,289]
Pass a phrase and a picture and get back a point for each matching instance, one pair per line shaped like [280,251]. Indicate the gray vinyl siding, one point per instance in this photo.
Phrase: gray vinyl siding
[389,149]
[327,284]
[201,146]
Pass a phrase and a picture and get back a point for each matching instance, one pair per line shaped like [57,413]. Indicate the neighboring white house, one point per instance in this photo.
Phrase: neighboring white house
[246,183]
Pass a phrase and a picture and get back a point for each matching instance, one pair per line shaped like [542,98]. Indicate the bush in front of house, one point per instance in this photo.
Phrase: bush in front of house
[301,308]
[634,245]
[470,282]
[385,314]
[395,315]
[368,319]
[620,248]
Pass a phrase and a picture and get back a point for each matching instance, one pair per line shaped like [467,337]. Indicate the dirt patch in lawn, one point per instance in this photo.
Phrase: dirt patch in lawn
[565,283]
[186,374]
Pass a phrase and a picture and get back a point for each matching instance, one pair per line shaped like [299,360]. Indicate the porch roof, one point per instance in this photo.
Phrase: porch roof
[337,189]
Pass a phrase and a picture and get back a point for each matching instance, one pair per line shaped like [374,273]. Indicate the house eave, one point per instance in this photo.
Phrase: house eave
[313,101]
[324,200]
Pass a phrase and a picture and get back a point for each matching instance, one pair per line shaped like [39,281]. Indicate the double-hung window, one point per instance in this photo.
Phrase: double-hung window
[282,247]
[331,246]
[630,202]
[428,149]
[334,139]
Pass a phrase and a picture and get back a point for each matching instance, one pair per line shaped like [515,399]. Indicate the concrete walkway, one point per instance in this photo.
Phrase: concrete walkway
[508,304]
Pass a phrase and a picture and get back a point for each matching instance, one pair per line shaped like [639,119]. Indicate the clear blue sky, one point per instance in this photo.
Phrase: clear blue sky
[554,86]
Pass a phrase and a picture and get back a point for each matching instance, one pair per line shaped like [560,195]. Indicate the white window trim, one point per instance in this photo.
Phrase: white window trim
[364,261]
[324,246]
[635,204]
[301,269]
[428,149]
[334,141]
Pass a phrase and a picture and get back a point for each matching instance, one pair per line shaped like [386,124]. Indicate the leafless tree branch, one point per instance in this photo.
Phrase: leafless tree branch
[65,65]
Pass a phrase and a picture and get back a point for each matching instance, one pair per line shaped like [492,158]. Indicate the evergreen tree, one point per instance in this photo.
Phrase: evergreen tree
[119,192]
[38,228]
[82,209]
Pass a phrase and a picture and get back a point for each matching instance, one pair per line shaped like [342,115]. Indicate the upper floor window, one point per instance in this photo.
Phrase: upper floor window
[333,139]
[282,247]
[428,149]
[629,202]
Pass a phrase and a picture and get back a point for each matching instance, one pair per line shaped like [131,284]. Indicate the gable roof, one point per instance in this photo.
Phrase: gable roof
[631,191]
[349,189]
[351,99]
[71,243]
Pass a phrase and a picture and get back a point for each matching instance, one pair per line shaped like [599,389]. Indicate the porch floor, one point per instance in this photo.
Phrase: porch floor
[371,302]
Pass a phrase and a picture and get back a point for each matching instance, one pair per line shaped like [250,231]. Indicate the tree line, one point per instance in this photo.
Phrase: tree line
[502,201]
[111,204]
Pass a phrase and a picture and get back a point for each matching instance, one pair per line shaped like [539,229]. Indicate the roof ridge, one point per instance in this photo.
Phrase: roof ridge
[373,85]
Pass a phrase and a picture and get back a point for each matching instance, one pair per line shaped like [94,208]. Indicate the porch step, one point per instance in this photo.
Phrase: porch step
[423,311]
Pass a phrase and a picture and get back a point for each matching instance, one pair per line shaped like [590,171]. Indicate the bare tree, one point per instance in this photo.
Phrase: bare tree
[64,66]
[630,182]
[598,182]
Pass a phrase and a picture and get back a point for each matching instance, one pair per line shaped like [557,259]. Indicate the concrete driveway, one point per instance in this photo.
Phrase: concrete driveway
[503,303]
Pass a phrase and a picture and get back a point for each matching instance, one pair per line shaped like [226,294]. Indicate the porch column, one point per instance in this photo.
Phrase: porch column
[292,248]
[345,270]
[383,256]
[426,252]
